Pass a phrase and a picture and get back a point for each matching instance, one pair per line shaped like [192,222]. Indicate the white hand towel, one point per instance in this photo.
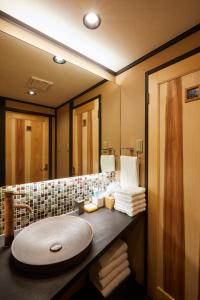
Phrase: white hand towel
[107,163]
[116,262]
[129,171]
[113,252]
[129,198]
[131,191]
[129,208]
[130,205]
[129,213]
[115,282]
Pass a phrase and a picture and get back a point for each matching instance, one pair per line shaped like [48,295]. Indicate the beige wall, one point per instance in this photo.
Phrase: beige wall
[133,95]
[63,142]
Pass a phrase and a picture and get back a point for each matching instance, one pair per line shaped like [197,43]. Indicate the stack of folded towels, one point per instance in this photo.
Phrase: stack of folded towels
[111,269]
[130,200]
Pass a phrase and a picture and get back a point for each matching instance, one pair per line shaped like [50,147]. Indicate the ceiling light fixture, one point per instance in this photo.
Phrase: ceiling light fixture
[59,60]
[91,20]
[32,92]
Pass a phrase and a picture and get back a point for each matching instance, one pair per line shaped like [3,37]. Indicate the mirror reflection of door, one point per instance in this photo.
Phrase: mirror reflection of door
[27,148]
[86,138]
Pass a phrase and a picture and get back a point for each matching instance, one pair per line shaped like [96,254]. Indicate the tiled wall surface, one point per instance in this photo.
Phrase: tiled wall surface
[53,197]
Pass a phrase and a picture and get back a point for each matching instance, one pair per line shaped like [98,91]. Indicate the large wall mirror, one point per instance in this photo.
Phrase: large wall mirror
[55,119]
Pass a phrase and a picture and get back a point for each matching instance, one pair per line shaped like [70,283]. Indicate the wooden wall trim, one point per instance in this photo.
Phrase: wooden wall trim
[26,102]
[2,143]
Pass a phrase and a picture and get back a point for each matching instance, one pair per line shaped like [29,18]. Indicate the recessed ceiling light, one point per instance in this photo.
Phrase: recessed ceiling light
[32,92]
[59,60]
[91,20]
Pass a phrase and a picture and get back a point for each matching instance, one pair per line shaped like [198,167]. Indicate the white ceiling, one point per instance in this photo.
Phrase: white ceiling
[19,61]
[129,29]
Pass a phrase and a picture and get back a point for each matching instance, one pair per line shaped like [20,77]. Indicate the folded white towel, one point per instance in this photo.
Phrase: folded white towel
[131,191]
[115,282]
[117,248]
[129,198]
[116,262]
[129,171]
[131,206]
[102,283]
[129,213]
[107,163]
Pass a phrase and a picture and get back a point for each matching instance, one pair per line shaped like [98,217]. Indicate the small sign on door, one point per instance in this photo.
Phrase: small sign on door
[192,93]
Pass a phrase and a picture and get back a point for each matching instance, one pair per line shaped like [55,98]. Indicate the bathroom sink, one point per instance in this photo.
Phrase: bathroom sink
[52,244]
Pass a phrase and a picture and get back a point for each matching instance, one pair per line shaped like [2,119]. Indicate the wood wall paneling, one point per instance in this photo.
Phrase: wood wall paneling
[19,151]
[173,231]
[62,142]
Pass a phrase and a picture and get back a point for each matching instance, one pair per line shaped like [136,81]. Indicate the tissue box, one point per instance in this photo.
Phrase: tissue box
[99,202]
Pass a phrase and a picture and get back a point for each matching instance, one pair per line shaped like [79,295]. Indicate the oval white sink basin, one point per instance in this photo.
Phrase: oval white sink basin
[52,243]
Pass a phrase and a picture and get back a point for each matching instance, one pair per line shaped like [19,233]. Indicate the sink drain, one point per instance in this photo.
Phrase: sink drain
[55,247]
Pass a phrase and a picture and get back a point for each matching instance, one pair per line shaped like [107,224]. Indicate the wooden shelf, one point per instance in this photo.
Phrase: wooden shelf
[125,291]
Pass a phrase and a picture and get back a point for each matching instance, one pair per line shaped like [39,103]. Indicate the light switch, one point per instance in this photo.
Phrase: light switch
[139,145]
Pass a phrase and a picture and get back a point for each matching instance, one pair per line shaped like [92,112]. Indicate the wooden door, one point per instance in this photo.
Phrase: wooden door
[174,183]
[86,138]
[27,148]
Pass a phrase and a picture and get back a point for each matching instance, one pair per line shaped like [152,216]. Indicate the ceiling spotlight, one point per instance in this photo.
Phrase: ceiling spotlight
[59,60]
[32,92]
[91,20]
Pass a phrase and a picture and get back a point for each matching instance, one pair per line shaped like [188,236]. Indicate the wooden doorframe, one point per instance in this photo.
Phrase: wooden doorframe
[147,74]
[71,108]
[2,142]
[3,110]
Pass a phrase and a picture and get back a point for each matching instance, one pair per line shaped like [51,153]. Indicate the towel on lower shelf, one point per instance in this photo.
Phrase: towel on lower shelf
[115,282]
[113,264]
[111,269]
[113,252]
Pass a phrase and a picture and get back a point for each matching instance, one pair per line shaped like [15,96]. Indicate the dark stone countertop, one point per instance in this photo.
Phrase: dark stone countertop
[107,226]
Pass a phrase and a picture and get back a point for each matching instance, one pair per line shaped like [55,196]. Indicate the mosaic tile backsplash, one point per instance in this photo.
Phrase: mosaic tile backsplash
[53,197]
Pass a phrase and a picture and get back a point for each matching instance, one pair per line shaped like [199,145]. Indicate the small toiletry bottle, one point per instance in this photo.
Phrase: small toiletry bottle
[79,204]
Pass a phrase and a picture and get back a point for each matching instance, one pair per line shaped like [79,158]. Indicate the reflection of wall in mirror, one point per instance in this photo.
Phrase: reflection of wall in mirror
[110,118]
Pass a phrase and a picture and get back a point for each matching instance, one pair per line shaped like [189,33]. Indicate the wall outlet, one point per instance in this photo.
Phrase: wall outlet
[139,145]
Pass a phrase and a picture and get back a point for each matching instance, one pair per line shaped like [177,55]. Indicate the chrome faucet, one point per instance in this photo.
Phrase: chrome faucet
[9,207]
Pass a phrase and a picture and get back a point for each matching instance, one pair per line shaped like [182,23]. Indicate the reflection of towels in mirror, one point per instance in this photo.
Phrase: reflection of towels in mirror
[107,163]
[129,169]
